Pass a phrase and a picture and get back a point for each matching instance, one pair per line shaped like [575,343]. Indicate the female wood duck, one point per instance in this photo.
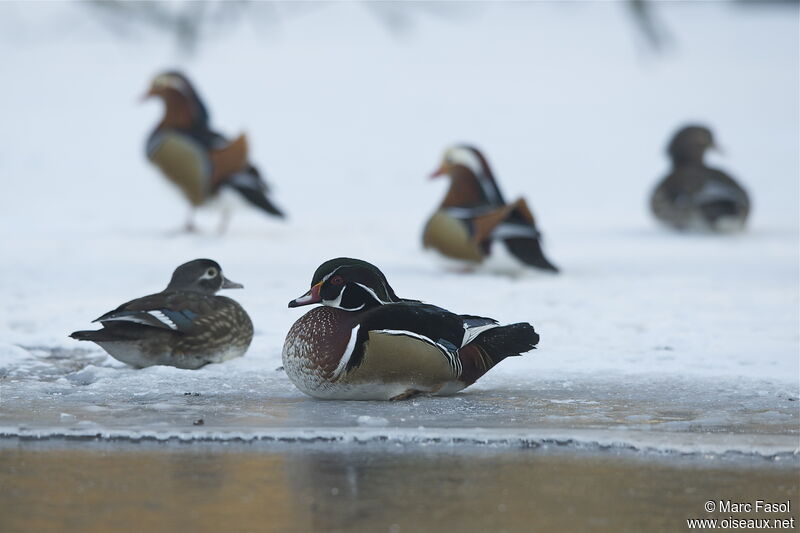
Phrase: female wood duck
[694,196]
[474,215]
[200,161]
[185,325]
[365,343]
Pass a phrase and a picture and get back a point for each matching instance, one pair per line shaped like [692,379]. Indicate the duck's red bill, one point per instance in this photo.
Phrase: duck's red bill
[311,297]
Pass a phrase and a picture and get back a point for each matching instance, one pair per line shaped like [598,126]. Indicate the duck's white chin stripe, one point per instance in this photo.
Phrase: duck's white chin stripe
[348,351]
[337,302]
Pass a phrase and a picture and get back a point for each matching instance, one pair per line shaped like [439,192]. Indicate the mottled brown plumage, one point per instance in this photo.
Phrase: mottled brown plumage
[327,329]
[186,325]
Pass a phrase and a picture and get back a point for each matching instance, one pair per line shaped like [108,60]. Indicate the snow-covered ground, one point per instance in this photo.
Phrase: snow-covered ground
[692,335]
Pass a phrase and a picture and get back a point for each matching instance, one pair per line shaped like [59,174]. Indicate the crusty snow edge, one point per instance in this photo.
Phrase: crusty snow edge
[767,446]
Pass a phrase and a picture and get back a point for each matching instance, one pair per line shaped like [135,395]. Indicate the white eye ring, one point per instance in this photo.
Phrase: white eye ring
[211,273]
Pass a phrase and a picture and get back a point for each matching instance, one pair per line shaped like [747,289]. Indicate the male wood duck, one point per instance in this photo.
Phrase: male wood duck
[694,196]
[474,216]
[366,343]
[186,325]
[200,161]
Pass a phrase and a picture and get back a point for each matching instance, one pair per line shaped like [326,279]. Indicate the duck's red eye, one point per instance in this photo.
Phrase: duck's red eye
[337,280]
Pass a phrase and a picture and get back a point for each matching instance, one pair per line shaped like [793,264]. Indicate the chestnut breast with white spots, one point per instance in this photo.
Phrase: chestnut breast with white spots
[315,345]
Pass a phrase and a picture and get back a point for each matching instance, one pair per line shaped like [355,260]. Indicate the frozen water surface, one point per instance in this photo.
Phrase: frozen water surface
[650,340]
[243,401]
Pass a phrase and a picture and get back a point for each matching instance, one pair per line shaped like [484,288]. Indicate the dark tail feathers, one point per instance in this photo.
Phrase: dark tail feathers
[507,341]
[529,251]
[90,335]
[254,189]
[492,346]
[121,332]
[260,200]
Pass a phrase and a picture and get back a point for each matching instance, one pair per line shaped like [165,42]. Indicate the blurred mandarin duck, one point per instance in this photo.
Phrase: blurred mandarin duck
[366,343]
[474,216]
[186,325]
[199,161]
[694,196]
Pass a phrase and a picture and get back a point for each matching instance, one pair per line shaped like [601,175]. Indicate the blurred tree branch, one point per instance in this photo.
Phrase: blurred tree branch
[648,23]
[187,21]
[190,21]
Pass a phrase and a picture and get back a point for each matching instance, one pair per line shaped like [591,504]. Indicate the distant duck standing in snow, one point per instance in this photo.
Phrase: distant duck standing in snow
[366,343]
[200,161]
[186,325]
[474,218]
[694,196]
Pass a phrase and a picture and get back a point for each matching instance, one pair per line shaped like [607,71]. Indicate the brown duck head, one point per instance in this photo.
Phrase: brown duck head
[689,145]
[471,180]
[183,108]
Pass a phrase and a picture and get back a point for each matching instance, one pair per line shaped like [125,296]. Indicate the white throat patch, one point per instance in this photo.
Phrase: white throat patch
[338,302]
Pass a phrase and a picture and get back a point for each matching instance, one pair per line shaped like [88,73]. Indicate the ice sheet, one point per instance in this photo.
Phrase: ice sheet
[347,120]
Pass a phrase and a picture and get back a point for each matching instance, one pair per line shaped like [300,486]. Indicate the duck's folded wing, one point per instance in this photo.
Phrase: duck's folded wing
[427,323]
[515,226]
[430,321]
[475,325]
[513,220]
[164,311]
[720,191]
[229,159]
